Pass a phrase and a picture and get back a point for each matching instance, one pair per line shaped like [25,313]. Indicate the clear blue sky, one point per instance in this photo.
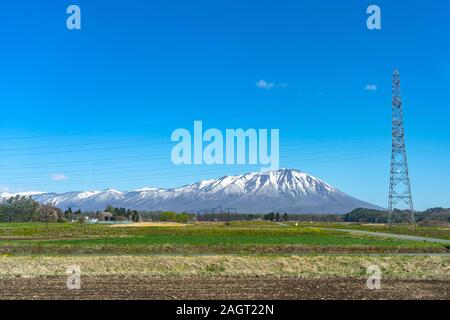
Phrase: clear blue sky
[94,109]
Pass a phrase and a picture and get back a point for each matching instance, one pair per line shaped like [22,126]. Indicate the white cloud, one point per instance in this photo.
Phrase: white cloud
[263,84]
[58,176]
[371,87]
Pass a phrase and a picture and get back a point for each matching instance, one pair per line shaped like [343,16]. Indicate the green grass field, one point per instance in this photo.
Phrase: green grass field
[236,237]
[422,231]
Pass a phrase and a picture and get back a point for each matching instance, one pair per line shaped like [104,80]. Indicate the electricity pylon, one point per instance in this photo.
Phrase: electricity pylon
[400,187]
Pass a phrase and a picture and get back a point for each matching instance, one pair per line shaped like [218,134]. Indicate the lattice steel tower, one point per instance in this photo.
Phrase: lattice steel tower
[400,187]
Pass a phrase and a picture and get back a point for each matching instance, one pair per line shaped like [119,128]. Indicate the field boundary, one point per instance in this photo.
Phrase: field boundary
[391,235]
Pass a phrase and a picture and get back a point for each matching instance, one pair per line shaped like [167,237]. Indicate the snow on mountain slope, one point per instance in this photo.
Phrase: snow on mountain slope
[6,195]
[283,190]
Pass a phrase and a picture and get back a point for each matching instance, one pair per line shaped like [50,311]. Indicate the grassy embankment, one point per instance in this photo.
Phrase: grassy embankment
[393,267]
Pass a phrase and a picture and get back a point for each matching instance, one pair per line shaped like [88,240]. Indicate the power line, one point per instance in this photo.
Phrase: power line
[75,144]
[169,173]
[302,151]
[159,122]
[123,169]
[85,150]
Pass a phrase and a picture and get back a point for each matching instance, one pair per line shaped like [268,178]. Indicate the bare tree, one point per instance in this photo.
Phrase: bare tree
[48,212]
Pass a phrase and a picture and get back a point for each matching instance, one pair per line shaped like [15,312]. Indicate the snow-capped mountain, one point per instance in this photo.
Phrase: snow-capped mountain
[284,190]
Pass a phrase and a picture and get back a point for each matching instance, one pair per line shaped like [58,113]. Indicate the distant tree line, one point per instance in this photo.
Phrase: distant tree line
[434,216]
[142,215]
[25,209]
[362,215]
[276,216]
[272,216]
[225,216]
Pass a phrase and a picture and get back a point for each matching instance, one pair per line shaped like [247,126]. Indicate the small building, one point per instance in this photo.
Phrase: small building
[104,216]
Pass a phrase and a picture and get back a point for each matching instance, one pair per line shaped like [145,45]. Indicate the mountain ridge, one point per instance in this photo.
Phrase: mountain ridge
[283,190]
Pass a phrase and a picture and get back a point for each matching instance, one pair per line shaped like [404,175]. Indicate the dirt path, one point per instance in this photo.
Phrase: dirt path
[392,235]
[140,287]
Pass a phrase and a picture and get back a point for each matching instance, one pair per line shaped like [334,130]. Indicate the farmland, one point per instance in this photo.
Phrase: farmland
[425,231]
[252,254]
